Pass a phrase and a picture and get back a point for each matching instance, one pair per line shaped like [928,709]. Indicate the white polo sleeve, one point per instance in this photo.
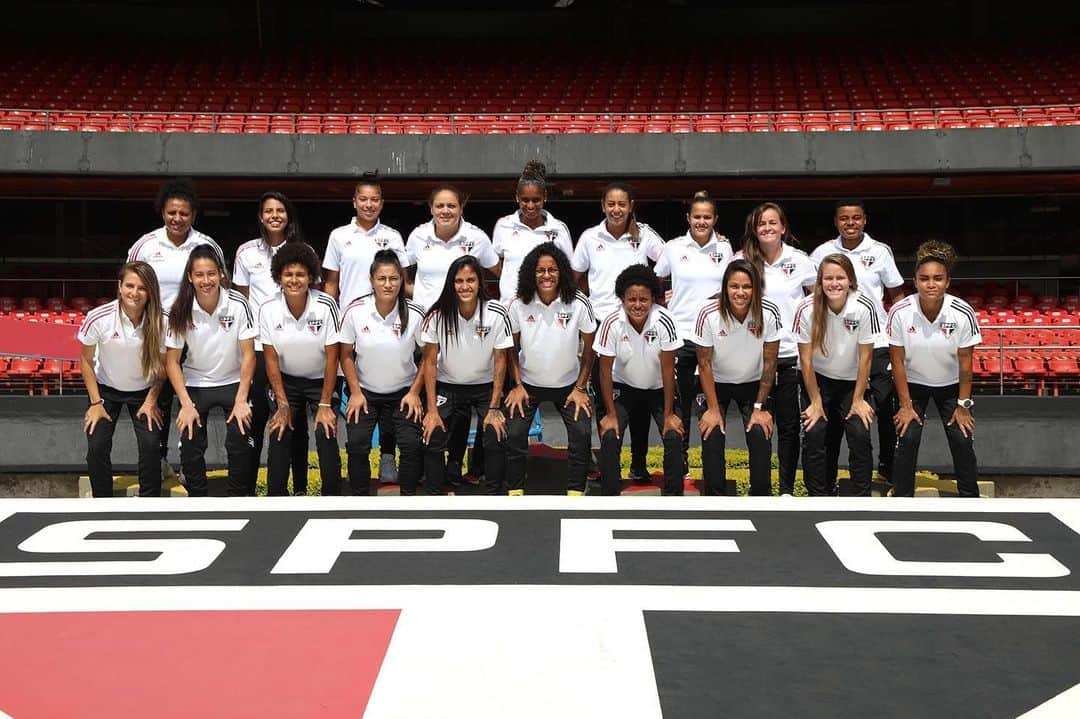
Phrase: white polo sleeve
[809,269]
[605,341]
[87,334]
[563,241]
[663,265]
[890,275]
[265,328]
[240,272]
[654,246]
[174,341]
[867,318]
[579,261]
[429,331]
[484,252]
[802,325]
[970,333]
[332,260]
[248,330]
[703,331]
[774,326]
[586,321]
[894,328]
[412,247]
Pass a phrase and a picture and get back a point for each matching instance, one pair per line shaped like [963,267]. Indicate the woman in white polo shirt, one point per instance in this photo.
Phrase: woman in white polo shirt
[737,335]
[431,248]
[298,328]
[932,335]
[836,328]
[465,341]
[350,251]
[788,275]
[636,345]
[216,328]
[166,249]
[518,233]
[696,263]
[549,317]
[378,340]
[122,366]
[279,224]
[602,252]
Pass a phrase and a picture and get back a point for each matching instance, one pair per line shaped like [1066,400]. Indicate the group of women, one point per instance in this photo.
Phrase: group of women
[418,348]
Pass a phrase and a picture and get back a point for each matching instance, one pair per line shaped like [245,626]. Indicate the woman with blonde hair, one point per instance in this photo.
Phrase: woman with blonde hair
[122,364]
[836,328]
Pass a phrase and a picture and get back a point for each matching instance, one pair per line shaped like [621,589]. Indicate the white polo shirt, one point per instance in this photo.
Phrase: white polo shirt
[384,353]
[213,344]
[604,257]
[469,358]
[857,324]
[433,257]
[784,283]
[118,360]
[697,273]
[930,347]
[300,343]
[168,260]
[637,355]
[875,269]
[349,252]
[549,338]
[512,239]
[737,346]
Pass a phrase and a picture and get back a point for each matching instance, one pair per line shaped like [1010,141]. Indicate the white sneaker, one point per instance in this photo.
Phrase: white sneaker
[387,469]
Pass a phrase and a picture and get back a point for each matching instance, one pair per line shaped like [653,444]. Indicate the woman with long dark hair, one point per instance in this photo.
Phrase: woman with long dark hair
[350,251]
[636,345]
[788,274]
[465,341]
[517,234]
[166,250]
[695,262]
[214,328]
[122,364]
[737,335]
[431,248]
[933,335]
[601,254]
[836,328]
[279,224]
[379,335]
[549,317]
[298,327]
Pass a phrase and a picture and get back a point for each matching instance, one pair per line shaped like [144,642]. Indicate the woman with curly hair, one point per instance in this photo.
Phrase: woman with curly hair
[932,336]
[298,328]
[549,317]
[637,344]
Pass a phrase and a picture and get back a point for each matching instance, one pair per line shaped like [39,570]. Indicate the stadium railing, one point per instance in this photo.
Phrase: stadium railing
[540,122]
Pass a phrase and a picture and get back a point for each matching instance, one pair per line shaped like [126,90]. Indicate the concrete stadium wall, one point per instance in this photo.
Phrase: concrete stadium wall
[1015,436]
[810,154]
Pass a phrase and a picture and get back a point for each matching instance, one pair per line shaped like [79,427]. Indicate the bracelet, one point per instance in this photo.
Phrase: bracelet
[326,404]
[581,389]
[100,401]
[496,408]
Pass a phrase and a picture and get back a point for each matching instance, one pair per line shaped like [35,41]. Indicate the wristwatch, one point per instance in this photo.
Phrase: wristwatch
[759,405]
[966,403]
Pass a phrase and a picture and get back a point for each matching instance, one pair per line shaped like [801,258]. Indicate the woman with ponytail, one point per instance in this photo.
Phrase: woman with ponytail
[379,335]
[695,262]
[836,328]
[602,253]
[788,274]
[518,233]
[122,364]
[933,336]
[217,327]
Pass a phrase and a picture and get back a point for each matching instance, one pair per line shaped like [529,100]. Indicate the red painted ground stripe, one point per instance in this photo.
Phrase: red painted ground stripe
[226,664]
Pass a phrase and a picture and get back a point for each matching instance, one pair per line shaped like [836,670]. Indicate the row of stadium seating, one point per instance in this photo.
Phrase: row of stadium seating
[810,73]
[538,123]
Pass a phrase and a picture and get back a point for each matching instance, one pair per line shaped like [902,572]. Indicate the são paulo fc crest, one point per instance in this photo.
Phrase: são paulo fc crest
[396,329]
[867,261]
[482,331]
[226,322]
[650,337]
[947,328]
[466,246]
[382,243]
[787,267]
[551,235]
[716,257]
[635,243]
[563,318]
[851,324]
[314,325]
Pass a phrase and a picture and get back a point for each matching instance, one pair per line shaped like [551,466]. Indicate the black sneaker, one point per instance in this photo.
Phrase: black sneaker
[639,475]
